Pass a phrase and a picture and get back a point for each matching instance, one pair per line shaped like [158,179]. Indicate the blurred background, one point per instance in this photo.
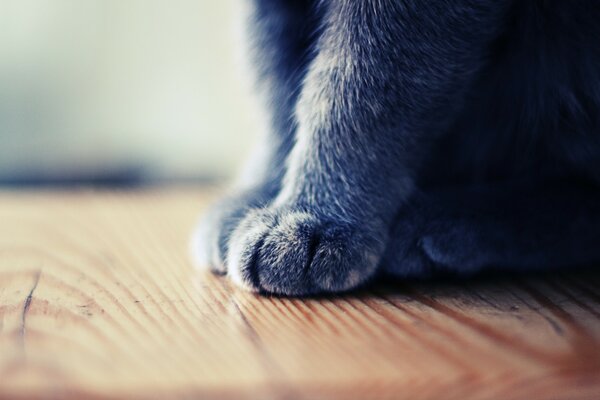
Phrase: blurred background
[121,91]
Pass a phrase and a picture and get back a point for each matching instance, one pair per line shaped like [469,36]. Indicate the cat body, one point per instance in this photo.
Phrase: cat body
[414,138]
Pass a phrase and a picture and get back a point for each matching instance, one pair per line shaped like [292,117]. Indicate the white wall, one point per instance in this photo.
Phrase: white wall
[90,85]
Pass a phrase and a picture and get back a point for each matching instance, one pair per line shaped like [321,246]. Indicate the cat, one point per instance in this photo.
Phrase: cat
[413,139]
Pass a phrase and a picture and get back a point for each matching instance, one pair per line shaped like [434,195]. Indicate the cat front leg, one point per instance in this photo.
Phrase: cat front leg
[385,82]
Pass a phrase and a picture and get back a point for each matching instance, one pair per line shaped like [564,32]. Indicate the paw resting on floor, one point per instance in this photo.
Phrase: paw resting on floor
[290,252]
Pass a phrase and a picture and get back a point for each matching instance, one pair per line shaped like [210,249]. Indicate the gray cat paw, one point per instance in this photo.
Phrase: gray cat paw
[292,252]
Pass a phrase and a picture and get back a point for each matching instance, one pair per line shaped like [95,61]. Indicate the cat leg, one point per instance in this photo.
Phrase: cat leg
[386,79]
[280,34]
[515,227]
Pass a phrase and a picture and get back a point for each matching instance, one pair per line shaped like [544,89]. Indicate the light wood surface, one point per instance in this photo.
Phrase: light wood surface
[98,300]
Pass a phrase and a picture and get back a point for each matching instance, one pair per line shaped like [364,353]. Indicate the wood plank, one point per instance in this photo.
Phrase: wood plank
[98,299]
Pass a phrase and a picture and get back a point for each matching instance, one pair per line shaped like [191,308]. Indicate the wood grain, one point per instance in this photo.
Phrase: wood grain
[98,300]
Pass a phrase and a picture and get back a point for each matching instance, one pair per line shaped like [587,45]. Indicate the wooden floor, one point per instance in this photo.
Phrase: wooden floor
[98,300]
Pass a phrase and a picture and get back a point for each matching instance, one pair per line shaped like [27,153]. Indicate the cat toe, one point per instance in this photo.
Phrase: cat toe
[211,237]
[299,253]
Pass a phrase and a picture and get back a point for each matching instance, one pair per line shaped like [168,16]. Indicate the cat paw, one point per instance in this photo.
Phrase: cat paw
[292,252]
[211,236]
